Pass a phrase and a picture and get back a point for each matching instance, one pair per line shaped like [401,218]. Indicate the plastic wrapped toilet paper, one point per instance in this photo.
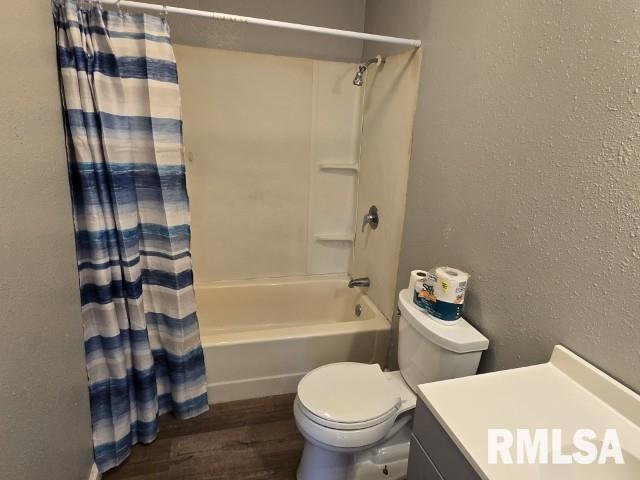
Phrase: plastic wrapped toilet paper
[414,277]
[441,293]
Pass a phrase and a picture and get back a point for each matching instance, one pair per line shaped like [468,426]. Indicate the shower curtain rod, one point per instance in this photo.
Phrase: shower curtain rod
[166,9]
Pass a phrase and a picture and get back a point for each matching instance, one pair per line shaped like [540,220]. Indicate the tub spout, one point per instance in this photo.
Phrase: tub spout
[359,282]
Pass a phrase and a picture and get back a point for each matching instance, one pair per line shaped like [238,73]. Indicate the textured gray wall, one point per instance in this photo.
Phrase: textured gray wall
[526,172]
[44,407]
[202,32]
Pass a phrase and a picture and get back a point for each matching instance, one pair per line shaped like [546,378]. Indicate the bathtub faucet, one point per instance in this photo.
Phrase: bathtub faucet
[359,282]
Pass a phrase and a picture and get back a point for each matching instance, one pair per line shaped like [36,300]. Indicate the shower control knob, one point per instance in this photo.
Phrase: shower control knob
[371,218]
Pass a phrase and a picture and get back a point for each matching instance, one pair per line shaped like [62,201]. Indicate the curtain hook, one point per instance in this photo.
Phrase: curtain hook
[119,7]
[165,12]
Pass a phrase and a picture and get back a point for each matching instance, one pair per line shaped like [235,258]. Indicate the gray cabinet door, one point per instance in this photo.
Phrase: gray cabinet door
[420,465]
[444,454]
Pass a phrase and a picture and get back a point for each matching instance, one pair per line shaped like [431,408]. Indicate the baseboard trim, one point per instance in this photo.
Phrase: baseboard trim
[94,474]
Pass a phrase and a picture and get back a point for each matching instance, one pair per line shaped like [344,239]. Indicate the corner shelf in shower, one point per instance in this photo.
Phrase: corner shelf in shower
[334,237]
[353,167]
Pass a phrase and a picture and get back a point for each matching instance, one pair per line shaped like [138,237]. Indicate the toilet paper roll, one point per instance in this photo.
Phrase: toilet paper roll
[451,284]
[414,277]
[441,293]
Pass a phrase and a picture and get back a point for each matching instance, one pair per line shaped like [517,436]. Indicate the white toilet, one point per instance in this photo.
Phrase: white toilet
[356,419]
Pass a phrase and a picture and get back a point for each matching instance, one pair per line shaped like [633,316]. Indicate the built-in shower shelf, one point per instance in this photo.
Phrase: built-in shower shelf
[334,237]
[339,166]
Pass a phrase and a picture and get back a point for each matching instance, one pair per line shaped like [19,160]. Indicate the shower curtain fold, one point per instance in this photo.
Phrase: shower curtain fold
[119,89]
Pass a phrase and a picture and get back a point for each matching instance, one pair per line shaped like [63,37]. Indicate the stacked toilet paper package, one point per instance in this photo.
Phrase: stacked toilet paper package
[440,292]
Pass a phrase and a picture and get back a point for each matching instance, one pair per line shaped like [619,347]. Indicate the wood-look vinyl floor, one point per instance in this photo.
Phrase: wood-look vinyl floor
[249,439]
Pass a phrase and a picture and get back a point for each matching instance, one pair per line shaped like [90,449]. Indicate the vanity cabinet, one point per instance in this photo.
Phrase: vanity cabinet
[433,455]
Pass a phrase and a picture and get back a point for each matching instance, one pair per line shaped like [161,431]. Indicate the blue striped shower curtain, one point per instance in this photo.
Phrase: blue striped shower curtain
[122,109]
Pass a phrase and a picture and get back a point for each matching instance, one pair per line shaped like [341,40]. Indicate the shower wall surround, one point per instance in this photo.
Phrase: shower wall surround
[284,157]
[263,134]
[391,93]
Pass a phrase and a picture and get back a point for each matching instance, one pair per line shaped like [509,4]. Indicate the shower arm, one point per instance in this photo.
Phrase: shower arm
[378,60]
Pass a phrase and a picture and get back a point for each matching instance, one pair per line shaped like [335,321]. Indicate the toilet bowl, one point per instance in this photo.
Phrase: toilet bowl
[356,419]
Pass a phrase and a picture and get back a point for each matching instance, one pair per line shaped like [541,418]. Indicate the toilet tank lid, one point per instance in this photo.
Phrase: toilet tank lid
[460,337]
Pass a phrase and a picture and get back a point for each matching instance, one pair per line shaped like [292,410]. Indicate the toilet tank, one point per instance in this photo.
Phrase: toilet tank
[429,351]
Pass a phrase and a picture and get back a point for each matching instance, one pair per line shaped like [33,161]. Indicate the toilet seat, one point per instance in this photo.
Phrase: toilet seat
[339,439]
[347,425]
[348,396]
[350,405]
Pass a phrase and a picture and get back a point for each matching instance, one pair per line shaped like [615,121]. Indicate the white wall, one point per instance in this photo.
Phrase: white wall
[45,427]
[257,130]
[526,137]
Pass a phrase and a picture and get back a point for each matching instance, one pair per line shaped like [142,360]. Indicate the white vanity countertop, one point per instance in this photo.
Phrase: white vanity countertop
[566,393]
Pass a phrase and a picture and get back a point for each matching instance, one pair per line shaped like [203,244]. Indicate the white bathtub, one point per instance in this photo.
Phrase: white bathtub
[261,336]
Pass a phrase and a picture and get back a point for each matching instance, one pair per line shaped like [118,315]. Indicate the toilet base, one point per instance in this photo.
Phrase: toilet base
[386,460]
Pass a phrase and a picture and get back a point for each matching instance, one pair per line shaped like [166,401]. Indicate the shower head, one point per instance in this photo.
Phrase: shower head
[359,78]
